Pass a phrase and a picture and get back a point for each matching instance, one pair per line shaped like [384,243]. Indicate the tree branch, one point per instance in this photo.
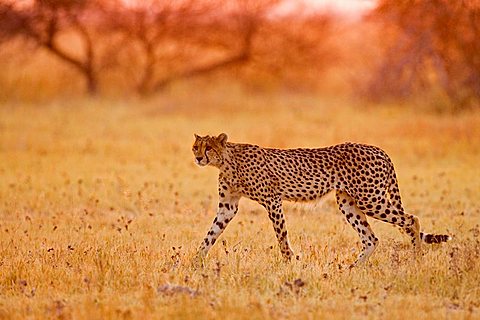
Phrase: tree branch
[227,62]
[250,28]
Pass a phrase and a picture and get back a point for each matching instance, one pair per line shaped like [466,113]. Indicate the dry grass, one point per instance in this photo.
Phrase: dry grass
[102,208]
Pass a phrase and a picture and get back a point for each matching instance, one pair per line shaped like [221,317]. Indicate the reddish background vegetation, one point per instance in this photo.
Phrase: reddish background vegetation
[398,50]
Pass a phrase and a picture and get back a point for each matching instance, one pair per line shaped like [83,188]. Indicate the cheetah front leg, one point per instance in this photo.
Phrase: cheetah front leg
[358,221]
[275,213]
[227,209]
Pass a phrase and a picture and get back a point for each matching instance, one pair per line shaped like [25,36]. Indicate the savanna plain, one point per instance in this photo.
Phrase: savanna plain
[102,209]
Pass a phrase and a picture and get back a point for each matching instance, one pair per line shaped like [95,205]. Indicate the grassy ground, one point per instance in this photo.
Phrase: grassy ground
[102,208]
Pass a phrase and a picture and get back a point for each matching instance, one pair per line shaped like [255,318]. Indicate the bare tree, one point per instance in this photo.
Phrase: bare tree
[44,21]
[166,41]
[182,39]
[433,43]
[225,33]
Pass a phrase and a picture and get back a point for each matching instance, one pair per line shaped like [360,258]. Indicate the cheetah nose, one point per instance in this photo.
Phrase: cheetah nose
[199,159]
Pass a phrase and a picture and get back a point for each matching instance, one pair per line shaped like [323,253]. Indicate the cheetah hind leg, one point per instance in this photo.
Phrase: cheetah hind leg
[412,229]
[357,219]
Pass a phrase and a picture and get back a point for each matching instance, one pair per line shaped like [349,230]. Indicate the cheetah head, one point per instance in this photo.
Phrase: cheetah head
[209,150]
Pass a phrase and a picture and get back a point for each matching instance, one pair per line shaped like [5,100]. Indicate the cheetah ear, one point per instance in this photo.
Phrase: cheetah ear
[222,139]
[196,136]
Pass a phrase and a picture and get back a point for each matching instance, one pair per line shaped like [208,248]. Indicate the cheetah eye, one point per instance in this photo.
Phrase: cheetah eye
[208,148]
[195,148]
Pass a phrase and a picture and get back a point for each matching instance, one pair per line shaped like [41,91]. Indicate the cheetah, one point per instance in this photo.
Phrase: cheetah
[362,176]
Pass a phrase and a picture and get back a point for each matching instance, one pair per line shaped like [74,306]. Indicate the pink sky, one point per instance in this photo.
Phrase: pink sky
[349,6]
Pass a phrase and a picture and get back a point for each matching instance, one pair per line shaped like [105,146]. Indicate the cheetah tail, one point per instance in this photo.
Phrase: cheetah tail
[434,238]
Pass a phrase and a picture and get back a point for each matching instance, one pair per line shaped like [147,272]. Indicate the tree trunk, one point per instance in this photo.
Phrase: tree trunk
[145,83]
[92,82]
[195,71]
